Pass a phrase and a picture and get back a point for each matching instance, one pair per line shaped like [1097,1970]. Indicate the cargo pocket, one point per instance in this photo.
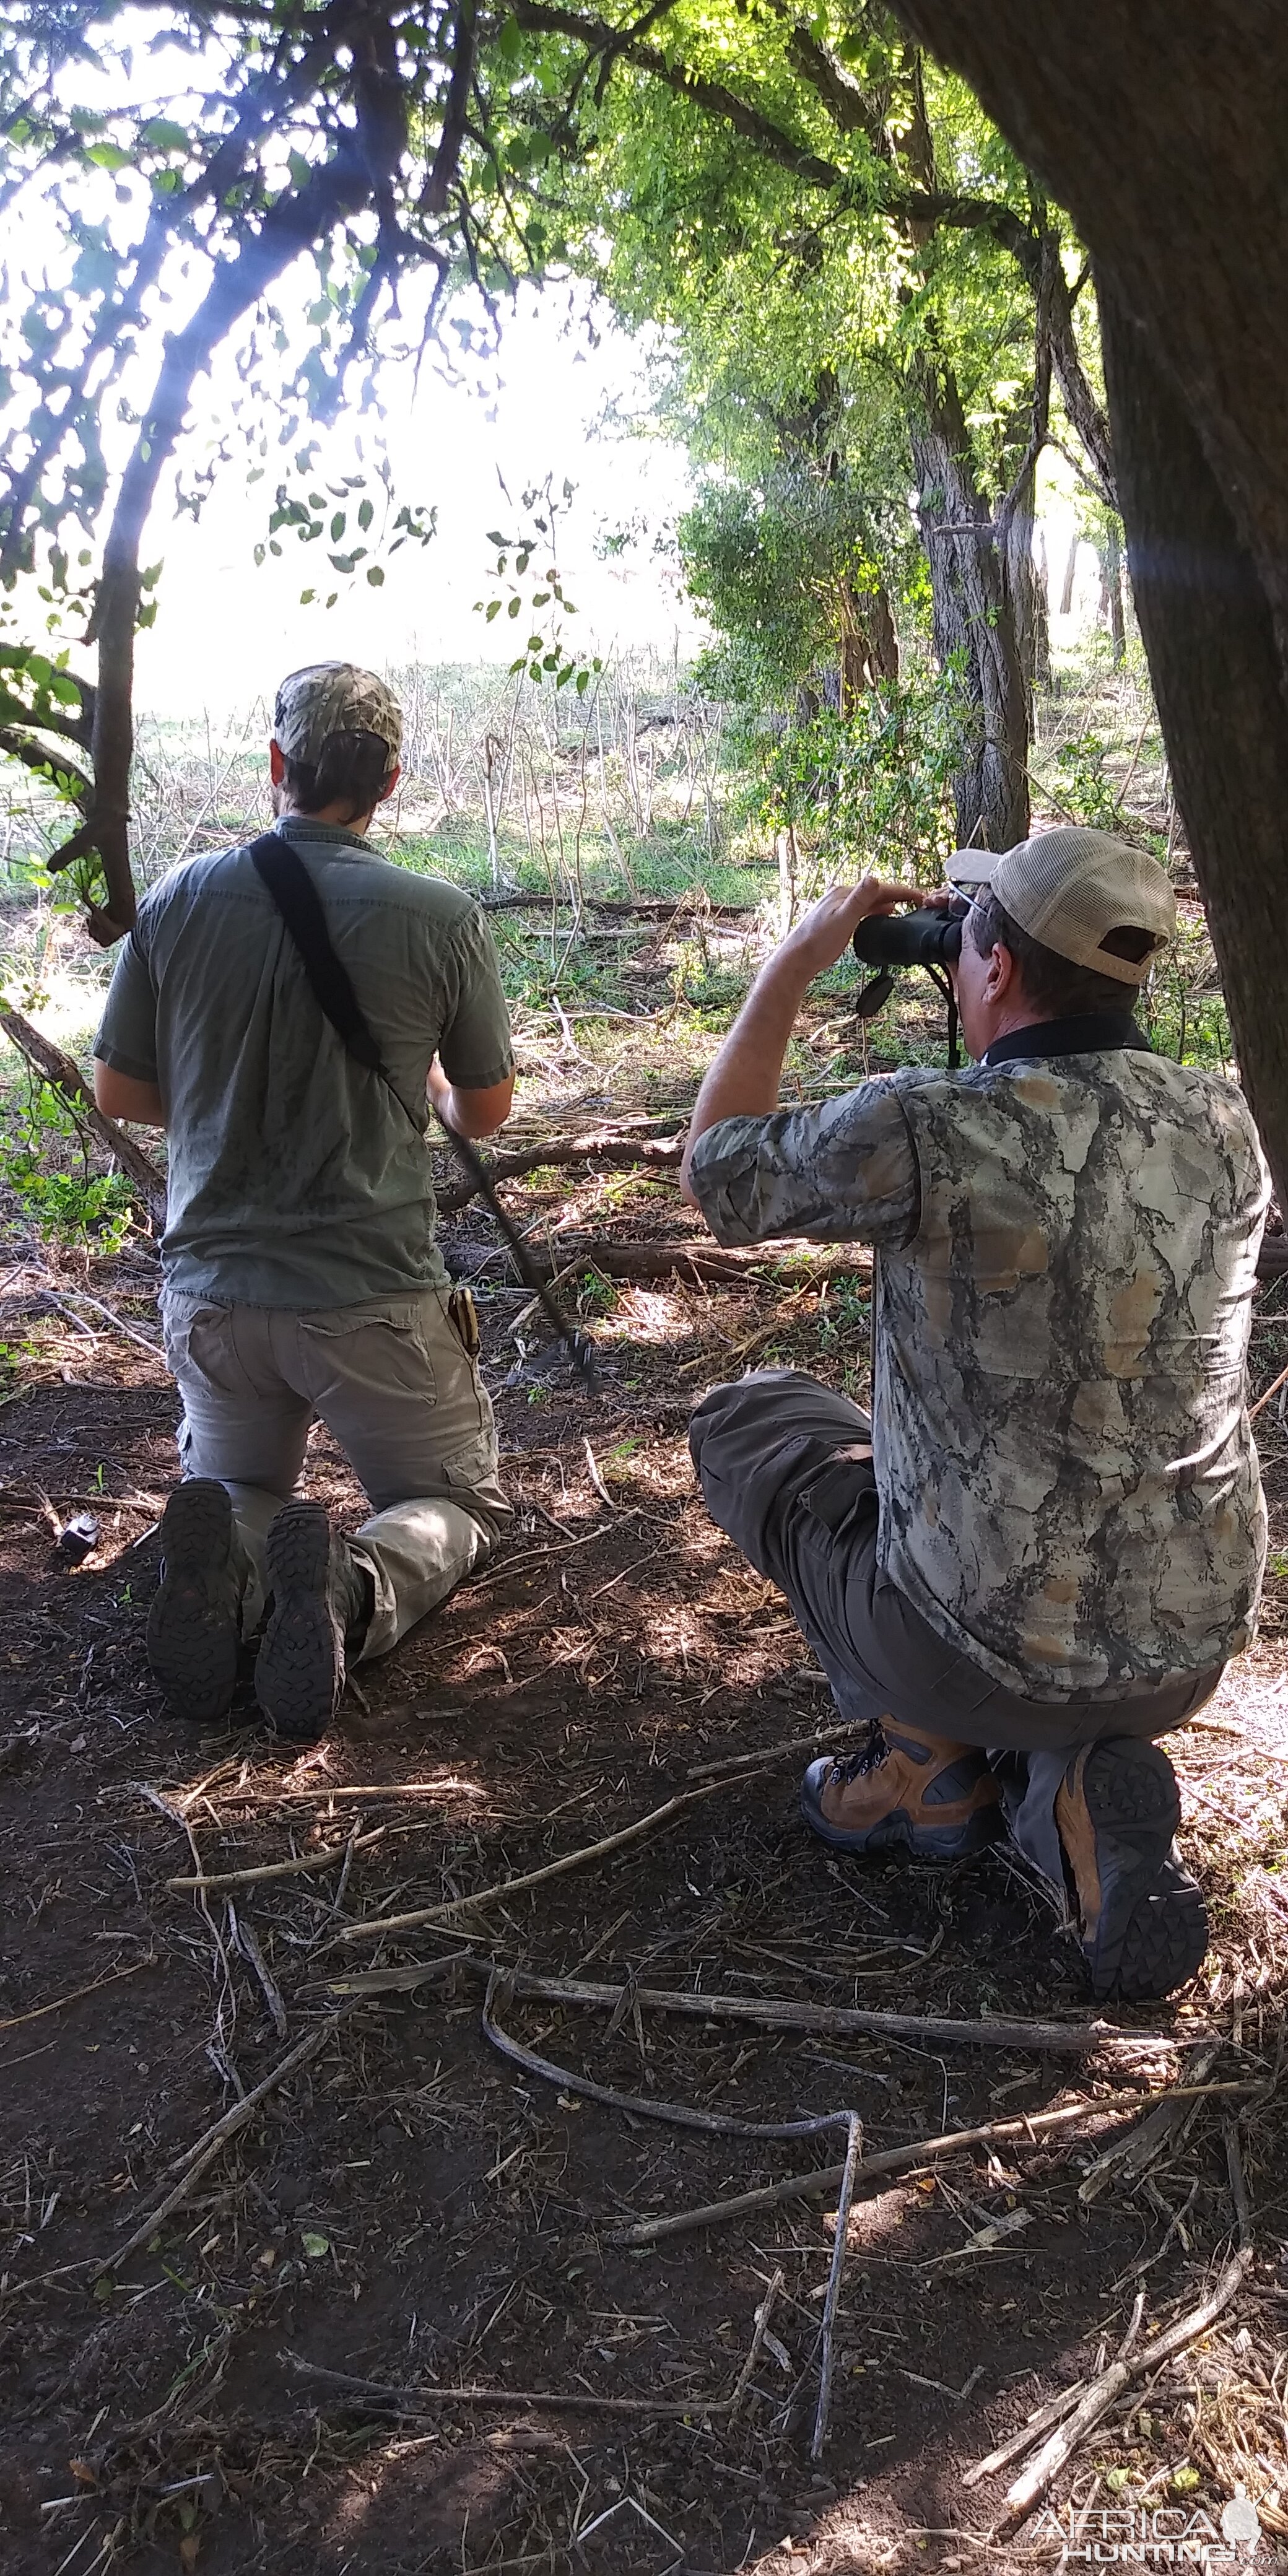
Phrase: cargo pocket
[382,1348]
[198,1339]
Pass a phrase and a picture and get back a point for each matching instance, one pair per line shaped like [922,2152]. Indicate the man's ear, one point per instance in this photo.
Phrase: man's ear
[1001,978]
[390,784]
[276,763]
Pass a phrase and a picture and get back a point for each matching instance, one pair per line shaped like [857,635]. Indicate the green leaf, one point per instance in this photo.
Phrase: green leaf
[337,527]
[514,608]
[493,610]
[299,170]
[109,156]
[366,513]
[494,538]
[163,136]
[375,575]
[315,2246]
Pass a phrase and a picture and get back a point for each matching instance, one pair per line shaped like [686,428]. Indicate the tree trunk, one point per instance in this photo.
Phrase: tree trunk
[1219,683]
[1160,125]
[1111,594]
[973,619]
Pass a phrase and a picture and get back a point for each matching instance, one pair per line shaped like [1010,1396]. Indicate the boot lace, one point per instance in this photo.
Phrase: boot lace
[869,1755]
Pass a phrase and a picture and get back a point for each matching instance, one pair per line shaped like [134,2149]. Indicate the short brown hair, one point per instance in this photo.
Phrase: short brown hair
[352,769]
[1053,984]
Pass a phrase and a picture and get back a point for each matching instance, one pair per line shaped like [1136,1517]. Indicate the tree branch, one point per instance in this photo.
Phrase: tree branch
[434,194]
[543,16]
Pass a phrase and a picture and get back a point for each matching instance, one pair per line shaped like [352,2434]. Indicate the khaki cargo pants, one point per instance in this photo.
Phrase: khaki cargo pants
[396,1387]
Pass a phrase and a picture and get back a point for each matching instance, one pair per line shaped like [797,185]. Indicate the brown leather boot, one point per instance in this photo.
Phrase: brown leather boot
[906,1791]
[1141,1916]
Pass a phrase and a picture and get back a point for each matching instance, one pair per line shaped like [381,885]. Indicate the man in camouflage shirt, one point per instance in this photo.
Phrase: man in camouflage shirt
[1042,1550]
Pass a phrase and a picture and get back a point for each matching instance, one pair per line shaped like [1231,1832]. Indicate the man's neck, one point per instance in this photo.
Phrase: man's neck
[357,824]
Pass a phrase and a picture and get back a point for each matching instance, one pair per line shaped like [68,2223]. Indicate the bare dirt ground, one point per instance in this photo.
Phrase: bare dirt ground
[413,2209]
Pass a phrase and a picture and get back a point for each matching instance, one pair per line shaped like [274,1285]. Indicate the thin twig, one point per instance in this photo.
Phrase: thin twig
[278,1868]
[198,2157]
[1054,2411]
[727,1763]
[77,1994]
[748,2370]
[677,2115]
[408,2403]
[1262,1400]
[1100,2396]
[374,1926]
[816,2186]
[832,2301]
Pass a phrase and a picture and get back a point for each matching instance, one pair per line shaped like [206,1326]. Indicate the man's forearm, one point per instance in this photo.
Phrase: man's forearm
[743,1081]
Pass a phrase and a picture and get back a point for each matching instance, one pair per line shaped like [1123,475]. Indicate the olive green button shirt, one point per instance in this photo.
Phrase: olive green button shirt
[294,1179]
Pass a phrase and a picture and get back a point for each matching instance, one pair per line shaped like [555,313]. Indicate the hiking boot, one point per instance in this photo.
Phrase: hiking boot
[907,1792]
[194,1623]
[320,1608]
[1141,1917]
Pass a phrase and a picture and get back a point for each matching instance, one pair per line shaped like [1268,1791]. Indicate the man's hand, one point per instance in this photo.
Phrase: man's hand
[825,931]
[744,1077]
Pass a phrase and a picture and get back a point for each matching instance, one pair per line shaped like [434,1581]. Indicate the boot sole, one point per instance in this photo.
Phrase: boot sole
[1153,1929]
[299,1670]
[194,1623]
[897,1832]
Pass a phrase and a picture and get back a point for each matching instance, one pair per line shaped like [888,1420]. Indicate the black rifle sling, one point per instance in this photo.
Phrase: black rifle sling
[282,872]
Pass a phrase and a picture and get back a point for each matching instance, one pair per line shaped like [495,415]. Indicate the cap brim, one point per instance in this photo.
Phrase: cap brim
[971,867]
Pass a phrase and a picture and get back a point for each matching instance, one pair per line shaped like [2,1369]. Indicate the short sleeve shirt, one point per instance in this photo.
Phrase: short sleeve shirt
[1067,1250]
[294,1179]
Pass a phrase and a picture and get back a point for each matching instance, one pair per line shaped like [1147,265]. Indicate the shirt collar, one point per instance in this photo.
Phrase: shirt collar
[1085,1033]
[324,836]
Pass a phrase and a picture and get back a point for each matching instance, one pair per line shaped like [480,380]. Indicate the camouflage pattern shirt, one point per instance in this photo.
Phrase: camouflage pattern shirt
[1067,1245]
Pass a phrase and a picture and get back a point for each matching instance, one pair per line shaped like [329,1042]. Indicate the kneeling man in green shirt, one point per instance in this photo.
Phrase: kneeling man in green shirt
[302,1277]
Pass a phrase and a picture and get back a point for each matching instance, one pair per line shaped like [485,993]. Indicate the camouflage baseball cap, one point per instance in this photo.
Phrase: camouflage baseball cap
[1074,890]
[334,697]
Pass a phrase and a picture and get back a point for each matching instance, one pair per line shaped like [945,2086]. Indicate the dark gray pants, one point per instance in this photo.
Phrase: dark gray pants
[773,1456]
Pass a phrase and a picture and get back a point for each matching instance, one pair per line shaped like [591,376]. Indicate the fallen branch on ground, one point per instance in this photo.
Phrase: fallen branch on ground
[1054,2411]
[622,1153]
[66,1078]
[199,2157]
[732,1762]
[411,2402]
[888,2160]
[1035,2480]
[768,2012]
[377,1924]
[277,1868]
[696,1260]
[1128,2158]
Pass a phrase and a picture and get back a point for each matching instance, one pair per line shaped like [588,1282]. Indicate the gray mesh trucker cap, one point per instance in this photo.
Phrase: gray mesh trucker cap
[1071,888]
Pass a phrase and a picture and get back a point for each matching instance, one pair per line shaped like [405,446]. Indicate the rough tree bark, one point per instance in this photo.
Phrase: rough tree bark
[972,618]
[1160,125]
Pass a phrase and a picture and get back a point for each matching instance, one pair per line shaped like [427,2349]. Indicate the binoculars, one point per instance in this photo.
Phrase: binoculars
[932,939]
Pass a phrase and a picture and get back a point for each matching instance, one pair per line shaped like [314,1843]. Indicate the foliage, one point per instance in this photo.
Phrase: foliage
[876,787]
[79,1206]
[778,571]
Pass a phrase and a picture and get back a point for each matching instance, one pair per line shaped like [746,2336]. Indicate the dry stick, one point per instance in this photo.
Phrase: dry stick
[621,1152]
[77,1993]
[890,2160]
[277,1868]
[1255,1409]
[1054,2412]
[1131,2156]
[376,1789]
[725,1763]
[834,2021]
[1100,2396]
[676,2115]
[411,2402]
[747,2372]
[376,1925]
[832,2302]
[197,2158]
